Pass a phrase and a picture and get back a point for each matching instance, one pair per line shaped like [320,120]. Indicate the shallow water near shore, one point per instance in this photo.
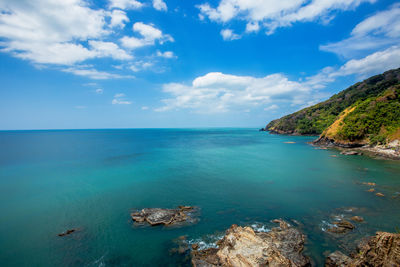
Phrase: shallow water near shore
[91,180]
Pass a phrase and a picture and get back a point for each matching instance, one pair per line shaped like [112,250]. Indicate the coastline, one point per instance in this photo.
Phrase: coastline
[390,151]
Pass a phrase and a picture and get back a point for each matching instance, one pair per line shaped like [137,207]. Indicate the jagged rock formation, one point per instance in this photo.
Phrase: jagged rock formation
[242,246]
[381,250]
[157,216]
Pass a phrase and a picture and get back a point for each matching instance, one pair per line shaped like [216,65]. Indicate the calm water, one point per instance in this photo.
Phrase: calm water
[51,181]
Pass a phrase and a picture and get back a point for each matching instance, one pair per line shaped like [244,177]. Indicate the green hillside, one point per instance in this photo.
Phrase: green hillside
[368,118]
[375,120]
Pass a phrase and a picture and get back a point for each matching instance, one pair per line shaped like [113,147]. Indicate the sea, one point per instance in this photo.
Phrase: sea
[91,180]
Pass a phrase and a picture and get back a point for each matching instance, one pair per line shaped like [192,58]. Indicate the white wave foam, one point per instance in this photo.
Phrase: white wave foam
[326,225]
[260,228]
[209,241]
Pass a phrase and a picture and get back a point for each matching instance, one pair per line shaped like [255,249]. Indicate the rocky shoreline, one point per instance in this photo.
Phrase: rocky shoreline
[389,151]
[281,245]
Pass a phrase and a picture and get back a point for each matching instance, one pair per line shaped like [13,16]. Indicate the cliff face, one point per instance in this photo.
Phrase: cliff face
[316,119]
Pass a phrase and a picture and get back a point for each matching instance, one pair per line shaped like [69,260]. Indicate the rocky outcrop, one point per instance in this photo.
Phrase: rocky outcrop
[328,142]
[157,216]
[341,227]
[242,246]
[381,250]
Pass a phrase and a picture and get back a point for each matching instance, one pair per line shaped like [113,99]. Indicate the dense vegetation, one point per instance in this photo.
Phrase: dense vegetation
[315,119]
[374,120]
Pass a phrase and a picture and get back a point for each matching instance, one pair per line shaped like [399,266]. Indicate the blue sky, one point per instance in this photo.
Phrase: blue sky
[177,63]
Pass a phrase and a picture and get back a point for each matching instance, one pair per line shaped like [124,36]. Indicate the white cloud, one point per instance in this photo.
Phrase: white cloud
[125,4]
[160,5]
[118,18]
[109,49]
[64,34]
[120,102]
[80,107]
[141,65]
[50,53]
[272,107]
[273,14]
[166,54]
[218,92]
[145,108]
[379,31]
[149,34]
[42,31]
[119,99]
[92,73]
[229,35]
[252,26]
[99,91]
[375,63]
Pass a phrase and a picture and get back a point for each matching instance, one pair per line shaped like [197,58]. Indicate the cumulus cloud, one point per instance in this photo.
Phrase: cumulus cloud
[125,4]
[149,35]
[378,31]
[229,35]
[119,99]
[118,18]
[68,33]
[160,5]
[99,91]
[275,13]
[109,49]
[219,92]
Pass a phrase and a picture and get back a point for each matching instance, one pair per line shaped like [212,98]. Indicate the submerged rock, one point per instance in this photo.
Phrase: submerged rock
[379,194]
[157,216]
[357,219]
[381,250]
[68,232]
[350,152]
[242,246]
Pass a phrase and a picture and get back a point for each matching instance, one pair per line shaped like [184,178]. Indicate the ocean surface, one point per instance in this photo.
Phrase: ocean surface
[91,180]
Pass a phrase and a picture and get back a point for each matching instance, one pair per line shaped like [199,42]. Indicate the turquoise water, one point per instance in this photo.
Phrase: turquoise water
[91,180]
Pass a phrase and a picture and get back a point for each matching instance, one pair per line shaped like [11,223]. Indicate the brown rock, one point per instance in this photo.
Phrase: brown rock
[337,259]
[379,194]
[195,246]
[350,152]
[242,246]
[371,190]
[369,183]
[341,227]
[381,250]
[357,219]
[157,216]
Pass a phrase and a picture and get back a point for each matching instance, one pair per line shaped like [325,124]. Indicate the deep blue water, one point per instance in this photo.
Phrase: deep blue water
[91,180]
